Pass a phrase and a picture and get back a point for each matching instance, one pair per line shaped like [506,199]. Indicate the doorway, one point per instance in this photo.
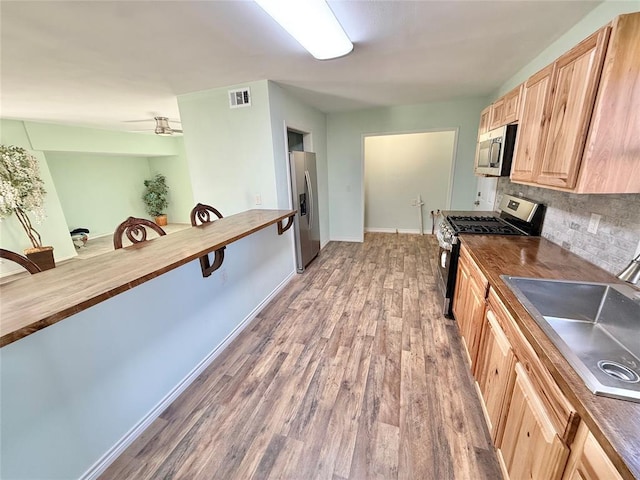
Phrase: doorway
[399,171]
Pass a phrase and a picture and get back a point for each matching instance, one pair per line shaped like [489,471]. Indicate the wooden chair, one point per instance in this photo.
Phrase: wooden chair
[136,231]
[202,214]
[20,260]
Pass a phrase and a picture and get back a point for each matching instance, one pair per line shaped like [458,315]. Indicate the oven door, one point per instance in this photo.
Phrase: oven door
[445,274]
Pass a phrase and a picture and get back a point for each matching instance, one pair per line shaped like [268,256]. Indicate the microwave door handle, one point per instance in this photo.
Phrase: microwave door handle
[491,162]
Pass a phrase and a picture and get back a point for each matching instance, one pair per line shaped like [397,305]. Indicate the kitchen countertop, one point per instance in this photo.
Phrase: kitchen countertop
[615,423]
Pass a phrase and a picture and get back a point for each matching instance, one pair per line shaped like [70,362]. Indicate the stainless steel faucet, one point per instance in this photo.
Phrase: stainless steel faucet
[631,274]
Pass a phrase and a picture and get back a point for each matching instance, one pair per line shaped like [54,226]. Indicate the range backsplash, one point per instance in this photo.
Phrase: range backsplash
[567,219]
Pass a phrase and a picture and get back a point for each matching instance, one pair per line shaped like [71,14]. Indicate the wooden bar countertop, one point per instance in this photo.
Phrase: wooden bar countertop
[32,303]
[615,423]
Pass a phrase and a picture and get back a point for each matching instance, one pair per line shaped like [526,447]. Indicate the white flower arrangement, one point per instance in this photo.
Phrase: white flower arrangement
[21,189]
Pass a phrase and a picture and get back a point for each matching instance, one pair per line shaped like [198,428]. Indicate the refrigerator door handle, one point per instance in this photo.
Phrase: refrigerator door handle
[312,206]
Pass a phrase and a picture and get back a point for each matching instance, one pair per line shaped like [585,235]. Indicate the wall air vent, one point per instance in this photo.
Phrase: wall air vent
[240,98]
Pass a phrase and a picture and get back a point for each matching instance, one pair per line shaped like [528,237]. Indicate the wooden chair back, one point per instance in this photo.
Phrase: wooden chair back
[20,260]
[202,213]
[136,231]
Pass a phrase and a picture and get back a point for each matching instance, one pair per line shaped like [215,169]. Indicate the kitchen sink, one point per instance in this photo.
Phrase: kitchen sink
[596,326]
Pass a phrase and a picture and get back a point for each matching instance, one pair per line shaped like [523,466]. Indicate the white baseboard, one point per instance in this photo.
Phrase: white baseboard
[411,231]
[121,445]
[347,239]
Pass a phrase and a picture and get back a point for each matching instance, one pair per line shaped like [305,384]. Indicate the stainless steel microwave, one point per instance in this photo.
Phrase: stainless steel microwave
[495,151]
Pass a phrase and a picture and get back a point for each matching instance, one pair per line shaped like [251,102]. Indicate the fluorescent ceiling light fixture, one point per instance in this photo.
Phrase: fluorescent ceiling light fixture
[312,24]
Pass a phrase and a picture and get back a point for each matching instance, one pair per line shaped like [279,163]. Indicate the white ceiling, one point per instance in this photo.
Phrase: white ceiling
[107,63]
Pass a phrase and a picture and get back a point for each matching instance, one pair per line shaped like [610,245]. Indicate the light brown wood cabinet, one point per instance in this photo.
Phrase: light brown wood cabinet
[535,429]
[485,119]
[579,129]
[588,461]
[503,111]
[495,373]
[506,109]
[469,303]
[529,142]
[530,446]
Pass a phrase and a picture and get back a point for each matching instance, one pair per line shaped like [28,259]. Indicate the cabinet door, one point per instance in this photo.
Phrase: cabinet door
[485,120]
[497,114]
[530,447]
[473,323]
[575,82]
[469,303]
[461,295]
[532,128]
[611,163]
[511,113]
[496,374]
[588,460]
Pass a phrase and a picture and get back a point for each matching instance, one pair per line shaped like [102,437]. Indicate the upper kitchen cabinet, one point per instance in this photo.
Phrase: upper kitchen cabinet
[506,109]
[529,142]
[485,118]
[611,162]
[503,111]
[580,124]
[575,81]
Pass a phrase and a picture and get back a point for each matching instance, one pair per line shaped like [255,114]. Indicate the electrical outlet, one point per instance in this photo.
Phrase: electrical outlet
[258,199]
[593,223]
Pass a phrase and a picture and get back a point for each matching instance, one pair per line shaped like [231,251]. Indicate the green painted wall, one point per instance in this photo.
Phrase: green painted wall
[176,169]
[53,137]
[345,141]
[54,228]
[99,192]
[94,179]
[289,112]
[230,150]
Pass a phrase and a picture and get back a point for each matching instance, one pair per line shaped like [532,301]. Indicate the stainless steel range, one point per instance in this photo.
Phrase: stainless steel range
[516,216]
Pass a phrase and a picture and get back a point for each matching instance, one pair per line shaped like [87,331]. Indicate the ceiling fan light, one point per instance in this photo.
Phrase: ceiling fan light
[312,24]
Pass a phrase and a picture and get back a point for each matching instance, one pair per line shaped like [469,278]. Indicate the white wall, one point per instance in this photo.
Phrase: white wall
[287,110]
[397,169]
[345,132]
[99,192]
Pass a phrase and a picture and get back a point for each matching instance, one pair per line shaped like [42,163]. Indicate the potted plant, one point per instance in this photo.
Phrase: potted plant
[155,198]
[22,192]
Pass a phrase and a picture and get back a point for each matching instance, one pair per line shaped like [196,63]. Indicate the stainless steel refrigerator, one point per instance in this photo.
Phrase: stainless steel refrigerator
[304,189]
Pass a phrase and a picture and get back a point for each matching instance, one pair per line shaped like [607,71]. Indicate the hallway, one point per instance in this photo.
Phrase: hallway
[351,372]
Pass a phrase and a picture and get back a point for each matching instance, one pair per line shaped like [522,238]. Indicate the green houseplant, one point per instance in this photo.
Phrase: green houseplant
[155,198]
[22,192]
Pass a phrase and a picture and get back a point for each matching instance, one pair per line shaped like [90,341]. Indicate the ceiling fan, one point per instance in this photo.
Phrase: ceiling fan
[163,128]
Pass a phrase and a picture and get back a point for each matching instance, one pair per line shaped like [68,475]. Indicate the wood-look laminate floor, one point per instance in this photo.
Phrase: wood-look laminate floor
[351,372]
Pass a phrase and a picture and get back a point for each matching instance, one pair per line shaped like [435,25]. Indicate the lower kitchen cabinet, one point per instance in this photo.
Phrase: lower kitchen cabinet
[588,461]
[530,447]
[495,374]
[469,303]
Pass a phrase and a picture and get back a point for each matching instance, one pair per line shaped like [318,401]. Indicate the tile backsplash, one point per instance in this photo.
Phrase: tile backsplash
[567,219]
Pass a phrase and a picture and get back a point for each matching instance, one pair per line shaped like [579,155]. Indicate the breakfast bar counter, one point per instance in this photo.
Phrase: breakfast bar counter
[32,303]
